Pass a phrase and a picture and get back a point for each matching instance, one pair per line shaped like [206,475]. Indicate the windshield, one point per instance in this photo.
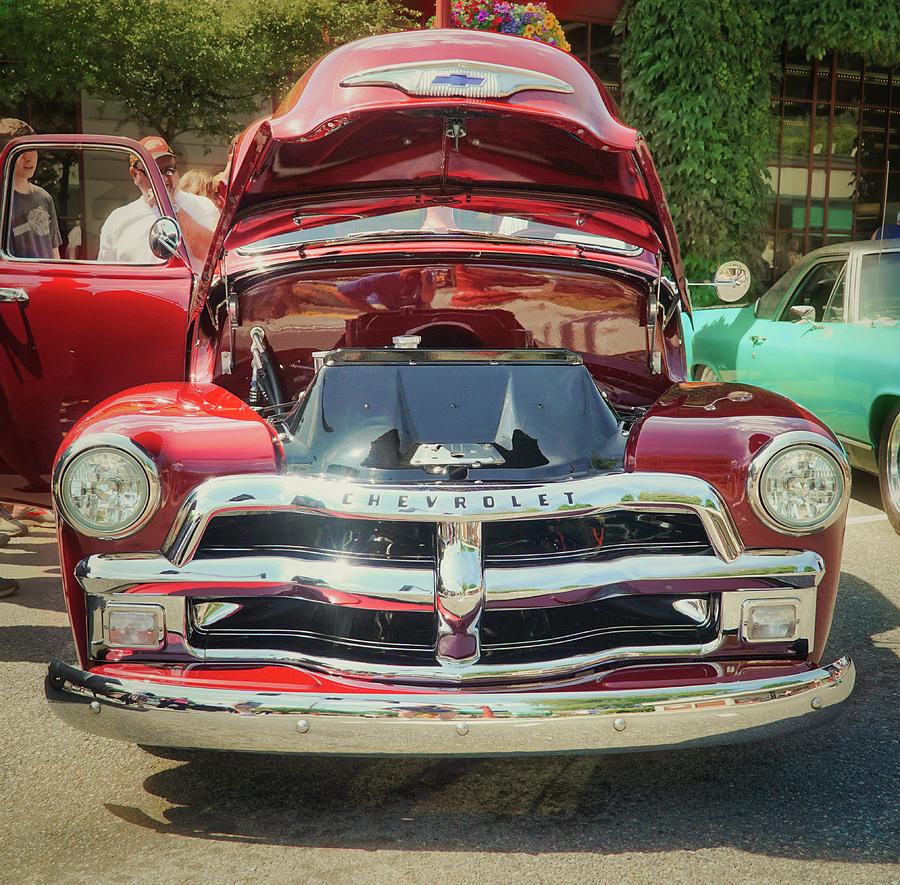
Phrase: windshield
[879,291]
[441,221]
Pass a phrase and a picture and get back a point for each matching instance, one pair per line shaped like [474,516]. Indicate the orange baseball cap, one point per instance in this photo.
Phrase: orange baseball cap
[156,146]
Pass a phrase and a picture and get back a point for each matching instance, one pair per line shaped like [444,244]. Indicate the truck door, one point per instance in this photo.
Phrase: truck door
[73,329]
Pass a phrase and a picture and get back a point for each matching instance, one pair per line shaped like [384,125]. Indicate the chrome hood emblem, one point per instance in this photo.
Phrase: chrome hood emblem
[447,78]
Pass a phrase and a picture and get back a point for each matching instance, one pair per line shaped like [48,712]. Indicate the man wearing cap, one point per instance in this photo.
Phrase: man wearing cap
[125,235]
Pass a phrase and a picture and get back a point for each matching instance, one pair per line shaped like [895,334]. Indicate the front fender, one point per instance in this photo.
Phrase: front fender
[698,429]
[192,432]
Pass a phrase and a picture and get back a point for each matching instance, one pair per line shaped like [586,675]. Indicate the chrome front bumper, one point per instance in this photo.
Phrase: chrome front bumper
[467,723]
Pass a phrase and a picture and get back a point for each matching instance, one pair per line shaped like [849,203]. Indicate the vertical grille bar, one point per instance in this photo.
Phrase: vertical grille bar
[460,592]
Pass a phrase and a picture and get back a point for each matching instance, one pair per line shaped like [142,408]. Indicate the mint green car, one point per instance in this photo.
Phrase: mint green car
[827,335]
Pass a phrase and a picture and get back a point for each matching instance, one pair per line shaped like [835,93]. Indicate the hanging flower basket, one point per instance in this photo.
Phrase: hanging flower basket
[531,20]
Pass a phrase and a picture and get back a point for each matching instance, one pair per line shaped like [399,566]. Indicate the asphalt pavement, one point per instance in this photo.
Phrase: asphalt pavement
[822,806]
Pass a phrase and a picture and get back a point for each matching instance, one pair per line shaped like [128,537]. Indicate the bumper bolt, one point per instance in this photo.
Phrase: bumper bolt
[816,703]
[303,726]
[94,706]
[462,730]
[619,725]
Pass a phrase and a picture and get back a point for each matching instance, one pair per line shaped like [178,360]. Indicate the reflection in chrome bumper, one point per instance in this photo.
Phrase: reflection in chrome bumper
[446,724]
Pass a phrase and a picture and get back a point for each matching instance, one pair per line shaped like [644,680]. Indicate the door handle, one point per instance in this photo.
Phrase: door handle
[757,339]
[12,295]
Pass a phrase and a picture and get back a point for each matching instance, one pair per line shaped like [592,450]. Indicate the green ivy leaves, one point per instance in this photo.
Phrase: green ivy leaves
[697,79]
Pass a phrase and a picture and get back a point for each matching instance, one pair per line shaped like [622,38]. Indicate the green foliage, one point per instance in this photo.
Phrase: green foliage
[697,78]
[178,65]
[697,81]
[869,28]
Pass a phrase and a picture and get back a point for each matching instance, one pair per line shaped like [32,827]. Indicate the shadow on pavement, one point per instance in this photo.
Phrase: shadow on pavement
[827,794]
[36,644]
[34,562]
[865,489]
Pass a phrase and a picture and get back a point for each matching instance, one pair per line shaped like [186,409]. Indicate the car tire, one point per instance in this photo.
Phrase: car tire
[889,467]
[705,373]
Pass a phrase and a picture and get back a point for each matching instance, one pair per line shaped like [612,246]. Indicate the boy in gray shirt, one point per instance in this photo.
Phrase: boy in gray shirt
[34,232]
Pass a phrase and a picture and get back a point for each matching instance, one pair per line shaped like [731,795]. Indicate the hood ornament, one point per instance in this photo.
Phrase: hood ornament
[446,78]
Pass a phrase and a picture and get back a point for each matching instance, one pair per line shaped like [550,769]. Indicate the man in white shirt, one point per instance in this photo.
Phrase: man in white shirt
[125,235]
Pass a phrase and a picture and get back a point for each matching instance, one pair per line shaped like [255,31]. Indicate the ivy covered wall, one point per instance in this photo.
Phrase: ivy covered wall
[697,80]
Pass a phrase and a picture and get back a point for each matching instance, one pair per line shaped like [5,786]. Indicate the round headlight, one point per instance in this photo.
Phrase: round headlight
[800,488]
[106,492]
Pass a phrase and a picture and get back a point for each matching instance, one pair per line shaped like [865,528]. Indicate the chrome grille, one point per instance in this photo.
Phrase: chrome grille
[474,537]
[495,582]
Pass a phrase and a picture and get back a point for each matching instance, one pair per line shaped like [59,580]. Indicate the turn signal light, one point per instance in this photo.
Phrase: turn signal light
[134,626]
[770,621]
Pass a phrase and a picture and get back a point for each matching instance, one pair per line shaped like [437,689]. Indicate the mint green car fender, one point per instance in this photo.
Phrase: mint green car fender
[848,374]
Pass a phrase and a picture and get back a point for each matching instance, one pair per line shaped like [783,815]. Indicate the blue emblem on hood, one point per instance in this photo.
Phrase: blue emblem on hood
[457,80]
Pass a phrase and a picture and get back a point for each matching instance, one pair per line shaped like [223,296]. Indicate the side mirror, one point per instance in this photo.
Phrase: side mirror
[732,281]
[165,237]
[802,313]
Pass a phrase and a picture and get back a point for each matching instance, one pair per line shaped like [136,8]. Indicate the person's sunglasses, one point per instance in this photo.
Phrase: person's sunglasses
[169,171]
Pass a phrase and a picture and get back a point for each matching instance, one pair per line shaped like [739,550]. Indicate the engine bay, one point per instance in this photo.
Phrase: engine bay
[407,414]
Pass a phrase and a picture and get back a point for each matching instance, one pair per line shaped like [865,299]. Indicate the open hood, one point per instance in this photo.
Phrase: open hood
[450,113]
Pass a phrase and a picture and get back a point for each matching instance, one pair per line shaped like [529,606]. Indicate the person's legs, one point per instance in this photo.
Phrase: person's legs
[11,526]
[7,585]
[33,514]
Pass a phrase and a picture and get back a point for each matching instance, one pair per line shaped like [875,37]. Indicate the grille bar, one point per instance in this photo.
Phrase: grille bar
[414,667]
[435,503]
[534,542]
[427,572]
[273,624]
[110,573]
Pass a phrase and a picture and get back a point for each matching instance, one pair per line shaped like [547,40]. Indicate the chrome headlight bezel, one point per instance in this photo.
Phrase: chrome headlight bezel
[798,439]
[121,445]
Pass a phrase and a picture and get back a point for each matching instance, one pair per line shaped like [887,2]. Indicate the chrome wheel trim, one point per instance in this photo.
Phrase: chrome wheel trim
[708,374]
[893,463]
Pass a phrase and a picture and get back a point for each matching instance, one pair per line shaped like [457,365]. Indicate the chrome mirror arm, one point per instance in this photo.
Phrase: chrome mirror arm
[652,321]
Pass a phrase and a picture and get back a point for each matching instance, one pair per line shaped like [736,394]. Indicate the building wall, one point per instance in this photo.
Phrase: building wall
[194,151]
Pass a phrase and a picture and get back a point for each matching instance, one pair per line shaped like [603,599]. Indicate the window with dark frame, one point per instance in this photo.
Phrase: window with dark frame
[596,45]
[835,127]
